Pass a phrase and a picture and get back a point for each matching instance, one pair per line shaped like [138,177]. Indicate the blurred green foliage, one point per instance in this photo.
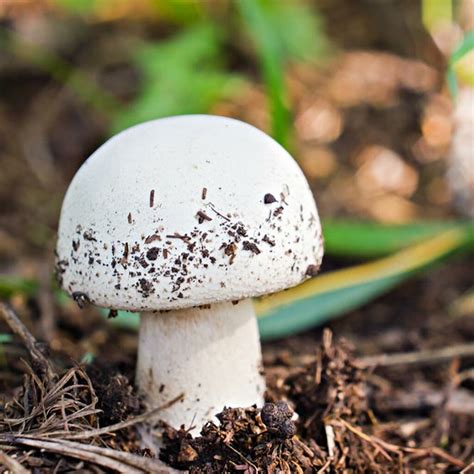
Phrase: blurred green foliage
[439,14]
[173,11]
[436,12]
[11,285]
[60,70]
[182,75]
[456,69]
[270,48]
[179,11]
[187,73]
[79,7]
[4,338]
[297,31]
[335,293]
[359,239]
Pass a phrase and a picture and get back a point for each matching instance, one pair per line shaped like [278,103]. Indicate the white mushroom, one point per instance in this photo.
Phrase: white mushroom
[185,219]
[461,163]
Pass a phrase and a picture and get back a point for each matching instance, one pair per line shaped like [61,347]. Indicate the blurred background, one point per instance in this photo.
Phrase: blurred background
[361,93]
[373,99]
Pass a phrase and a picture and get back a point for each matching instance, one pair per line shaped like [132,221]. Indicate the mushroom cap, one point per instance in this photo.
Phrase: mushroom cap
[186,211]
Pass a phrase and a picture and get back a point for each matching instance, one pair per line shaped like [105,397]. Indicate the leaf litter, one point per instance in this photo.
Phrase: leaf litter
[320,416]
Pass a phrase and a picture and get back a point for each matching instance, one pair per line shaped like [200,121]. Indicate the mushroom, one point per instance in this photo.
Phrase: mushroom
[461,163]
[184,219]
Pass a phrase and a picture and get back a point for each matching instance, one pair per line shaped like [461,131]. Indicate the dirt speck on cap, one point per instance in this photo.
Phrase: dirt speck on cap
[312,270]
[152,254]
[250,246]
[269,198]
[202,216]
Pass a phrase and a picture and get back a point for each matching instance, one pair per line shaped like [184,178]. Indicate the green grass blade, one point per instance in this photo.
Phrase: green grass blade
[304,314]
[455,70]
[359,239]
[271,58]
[466,46]
[282,31]
[333,294]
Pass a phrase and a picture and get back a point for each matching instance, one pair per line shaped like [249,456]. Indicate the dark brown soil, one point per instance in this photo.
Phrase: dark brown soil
[348,418]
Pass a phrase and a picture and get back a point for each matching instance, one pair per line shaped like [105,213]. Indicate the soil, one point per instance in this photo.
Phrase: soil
[340,398]
[351,415]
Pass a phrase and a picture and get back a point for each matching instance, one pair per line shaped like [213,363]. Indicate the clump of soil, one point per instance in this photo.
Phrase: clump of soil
[331,387]
[326,394]
[331,395]
[241,442]
[116,398]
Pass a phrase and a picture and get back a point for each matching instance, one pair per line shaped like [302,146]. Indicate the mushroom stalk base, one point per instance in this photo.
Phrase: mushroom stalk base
[210,355]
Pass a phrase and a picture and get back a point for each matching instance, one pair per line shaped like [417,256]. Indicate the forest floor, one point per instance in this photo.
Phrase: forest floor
[386,388]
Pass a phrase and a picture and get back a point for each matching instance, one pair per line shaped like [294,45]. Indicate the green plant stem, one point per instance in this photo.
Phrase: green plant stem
[272,67]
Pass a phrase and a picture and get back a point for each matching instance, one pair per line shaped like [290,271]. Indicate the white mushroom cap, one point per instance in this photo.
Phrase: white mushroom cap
[187,211]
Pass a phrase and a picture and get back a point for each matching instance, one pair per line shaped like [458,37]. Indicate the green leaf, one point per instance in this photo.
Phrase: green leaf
[454,71]
[271,55]
[298,29]
[182,75]
[334,294]
[282,31]
[466,46]
[452,82]
[359,239]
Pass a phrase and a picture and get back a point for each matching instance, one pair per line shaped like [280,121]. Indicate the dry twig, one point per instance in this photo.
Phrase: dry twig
[390,447]
[118,461]
[117,426]
[11,464]
[28,340]
[419,358]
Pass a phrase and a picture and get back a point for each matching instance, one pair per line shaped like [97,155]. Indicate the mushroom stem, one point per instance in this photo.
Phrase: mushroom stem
[212,355]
